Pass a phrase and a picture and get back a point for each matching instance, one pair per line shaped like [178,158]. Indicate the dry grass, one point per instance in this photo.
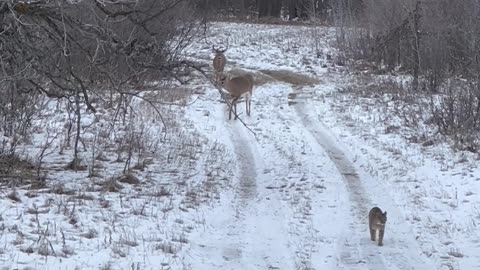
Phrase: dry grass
[129,178]
[151,186]
[110,185]
[16,171]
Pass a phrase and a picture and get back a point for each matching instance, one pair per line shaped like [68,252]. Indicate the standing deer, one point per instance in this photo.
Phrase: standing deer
[237,87]
[219,61]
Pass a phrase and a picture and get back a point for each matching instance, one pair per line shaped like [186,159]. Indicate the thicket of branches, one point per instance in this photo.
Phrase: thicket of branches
[431,39]
[436,42]
[84,49]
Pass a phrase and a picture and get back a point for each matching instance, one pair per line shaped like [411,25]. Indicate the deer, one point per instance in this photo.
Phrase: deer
[219,61]
[236,87]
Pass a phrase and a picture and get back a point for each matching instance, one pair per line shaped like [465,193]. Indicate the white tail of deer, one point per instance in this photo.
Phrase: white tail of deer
[238,86]
[219,61]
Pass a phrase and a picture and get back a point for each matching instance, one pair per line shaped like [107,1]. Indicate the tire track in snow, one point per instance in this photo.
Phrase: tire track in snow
[297,194]
[245,230]
[247,179]
[356,249]
[236,250]
[350,255]
[256,227]
[297,179]
[285,172]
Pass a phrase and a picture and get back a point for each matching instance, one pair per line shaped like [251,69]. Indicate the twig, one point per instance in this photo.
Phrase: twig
[151,103]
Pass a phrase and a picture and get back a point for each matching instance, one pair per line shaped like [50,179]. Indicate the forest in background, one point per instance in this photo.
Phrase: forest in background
[435,44]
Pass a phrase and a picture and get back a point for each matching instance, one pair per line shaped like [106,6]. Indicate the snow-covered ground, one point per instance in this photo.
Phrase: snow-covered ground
[291,191]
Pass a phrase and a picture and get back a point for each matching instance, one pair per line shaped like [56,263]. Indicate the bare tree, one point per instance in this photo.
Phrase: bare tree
[76,49]
[428,38]
[436,42]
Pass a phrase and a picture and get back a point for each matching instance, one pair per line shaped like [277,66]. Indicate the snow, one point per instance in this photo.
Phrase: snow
[291,192]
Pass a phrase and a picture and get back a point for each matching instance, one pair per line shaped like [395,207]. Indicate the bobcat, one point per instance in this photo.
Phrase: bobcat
[376,221]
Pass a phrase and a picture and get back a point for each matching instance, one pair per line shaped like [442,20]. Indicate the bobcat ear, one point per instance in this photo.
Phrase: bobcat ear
[385,213]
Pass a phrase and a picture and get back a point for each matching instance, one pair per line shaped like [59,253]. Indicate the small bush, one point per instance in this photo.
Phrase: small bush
[457,115]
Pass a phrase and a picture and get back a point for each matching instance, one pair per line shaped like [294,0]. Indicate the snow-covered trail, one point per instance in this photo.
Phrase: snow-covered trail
[247,230]
[285,188]
[356,251]
[301,200]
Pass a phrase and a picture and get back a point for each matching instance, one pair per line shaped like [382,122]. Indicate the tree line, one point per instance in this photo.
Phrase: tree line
[432,40]
[289,9]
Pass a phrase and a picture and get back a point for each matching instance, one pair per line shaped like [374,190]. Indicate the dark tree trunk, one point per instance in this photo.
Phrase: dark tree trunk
[240,8]
[269,8]
[292,9]
[416,45]
[304,9]
[323,9]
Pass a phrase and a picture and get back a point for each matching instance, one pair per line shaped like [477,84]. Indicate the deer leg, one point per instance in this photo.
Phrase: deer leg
[247,104]
[235,109]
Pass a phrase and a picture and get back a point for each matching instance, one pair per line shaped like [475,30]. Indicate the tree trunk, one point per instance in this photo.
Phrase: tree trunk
[243,8]
[416,45]
[323,9]
[240,8]
[269,8]
[292,9]
[304,9]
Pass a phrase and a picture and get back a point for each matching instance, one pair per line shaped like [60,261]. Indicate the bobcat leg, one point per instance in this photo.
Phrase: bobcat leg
[380,237]
[373,234]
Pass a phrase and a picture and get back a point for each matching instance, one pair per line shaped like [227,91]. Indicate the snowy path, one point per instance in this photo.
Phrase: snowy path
[301,199]
[299,202]
[274,218]
[356,251]
[246,231]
